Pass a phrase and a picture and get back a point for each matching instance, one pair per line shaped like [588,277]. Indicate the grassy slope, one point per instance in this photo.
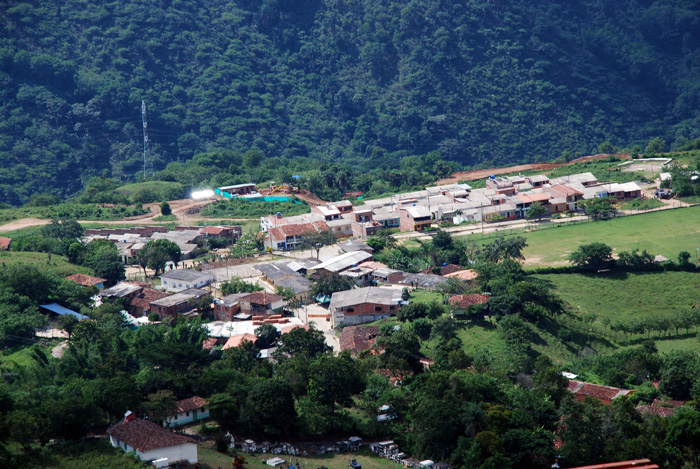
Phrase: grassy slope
[210,458]
[87,454]
[156,186]
[666,232]
[41,260]
[21,355]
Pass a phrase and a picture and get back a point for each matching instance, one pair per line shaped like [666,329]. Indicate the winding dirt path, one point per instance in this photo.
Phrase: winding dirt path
[484,173]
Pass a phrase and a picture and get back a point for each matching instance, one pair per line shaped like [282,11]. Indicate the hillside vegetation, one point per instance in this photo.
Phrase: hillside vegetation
[358,82]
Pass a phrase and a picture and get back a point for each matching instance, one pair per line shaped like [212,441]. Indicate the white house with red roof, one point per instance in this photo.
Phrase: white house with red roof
[151,442]
[189,410]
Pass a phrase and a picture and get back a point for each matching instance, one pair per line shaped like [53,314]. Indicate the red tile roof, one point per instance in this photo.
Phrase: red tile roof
[145,435]
[286,329]
[468,274]
[191,403]
[463,301]
[236,340]
[146,296]
[664,412]
[634,464]
[668,403]
[277,234]
[214,230]
[603,393]
[5,243]
[358,338]
[449,268]
[210,342]
[298,229]
[261,298]
[565,190]
[85,280]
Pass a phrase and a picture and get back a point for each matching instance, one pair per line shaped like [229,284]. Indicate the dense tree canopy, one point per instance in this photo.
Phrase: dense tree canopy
[235,84]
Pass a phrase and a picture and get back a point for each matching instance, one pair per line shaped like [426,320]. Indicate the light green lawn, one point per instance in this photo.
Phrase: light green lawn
[156,186]
[666,232]
[21,355]
[57,264]
[210,458]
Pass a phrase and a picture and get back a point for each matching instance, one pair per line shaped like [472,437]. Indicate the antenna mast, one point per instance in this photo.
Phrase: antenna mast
[147,161]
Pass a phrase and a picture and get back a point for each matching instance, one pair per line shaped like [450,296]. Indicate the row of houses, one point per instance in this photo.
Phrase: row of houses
[503,198]
[130,240]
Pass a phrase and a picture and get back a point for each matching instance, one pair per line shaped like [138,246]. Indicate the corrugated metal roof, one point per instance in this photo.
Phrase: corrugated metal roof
[61,311]
[344,261]
[373,295]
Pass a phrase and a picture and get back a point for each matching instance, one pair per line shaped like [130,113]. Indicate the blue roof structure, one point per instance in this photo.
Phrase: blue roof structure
[60,310]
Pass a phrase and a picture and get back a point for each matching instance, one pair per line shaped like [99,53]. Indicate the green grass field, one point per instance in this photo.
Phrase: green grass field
[21,354]
[57,264]
[622,296]
[159,187]
[666,232]
[88,454]
[212,459]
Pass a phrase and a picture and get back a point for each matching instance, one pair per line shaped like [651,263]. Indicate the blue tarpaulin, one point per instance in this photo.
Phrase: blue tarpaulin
[60,310]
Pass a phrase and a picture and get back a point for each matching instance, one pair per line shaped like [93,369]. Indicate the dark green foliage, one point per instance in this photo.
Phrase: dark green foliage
[103,258]
[156,254]
[270,408]
[329,283]
[362,82]
[600,208]
[252,209]
[236,285]
[592,257]
[165,209]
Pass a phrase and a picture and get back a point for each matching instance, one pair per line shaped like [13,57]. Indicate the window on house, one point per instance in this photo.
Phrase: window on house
[180,285]
[188,285]
[187,414]
[377,308]
[349,310]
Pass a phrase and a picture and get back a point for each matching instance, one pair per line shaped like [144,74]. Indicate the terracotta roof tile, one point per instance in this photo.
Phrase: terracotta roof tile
[449,268]
[358,338]
[191,403]
[145,435]
[603,393]
[464,301]
[468,274]
[85,280]
[664,412]
[236,340]
[146,296]
[5,243]
[261,298]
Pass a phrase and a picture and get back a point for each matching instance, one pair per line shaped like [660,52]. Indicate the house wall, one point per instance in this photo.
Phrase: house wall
[183,452]
[405,221]
[179,285]
[188,417]
[224,313]
[362,313]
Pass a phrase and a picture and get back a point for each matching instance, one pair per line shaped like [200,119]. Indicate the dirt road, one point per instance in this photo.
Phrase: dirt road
[484,173]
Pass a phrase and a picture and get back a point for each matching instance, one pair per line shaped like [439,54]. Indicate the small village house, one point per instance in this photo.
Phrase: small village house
[87,280]
[188,410]
[183,279]
[151,442]
[362,305]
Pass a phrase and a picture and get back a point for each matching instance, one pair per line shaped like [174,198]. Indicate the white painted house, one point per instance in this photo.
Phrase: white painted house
[151,442]
[188,411]
[178,280]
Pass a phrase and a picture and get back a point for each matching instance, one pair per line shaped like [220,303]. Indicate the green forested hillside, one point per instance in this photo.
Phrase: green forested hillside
[354,81]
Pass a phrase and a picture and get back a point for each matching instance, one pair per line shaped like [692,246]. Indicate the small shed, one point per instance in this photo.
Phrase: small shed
[274,462]
[58,310]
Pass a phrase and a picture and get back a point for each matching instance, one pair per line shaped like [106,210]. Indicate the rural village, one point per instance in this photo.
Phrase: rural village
[341,230]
